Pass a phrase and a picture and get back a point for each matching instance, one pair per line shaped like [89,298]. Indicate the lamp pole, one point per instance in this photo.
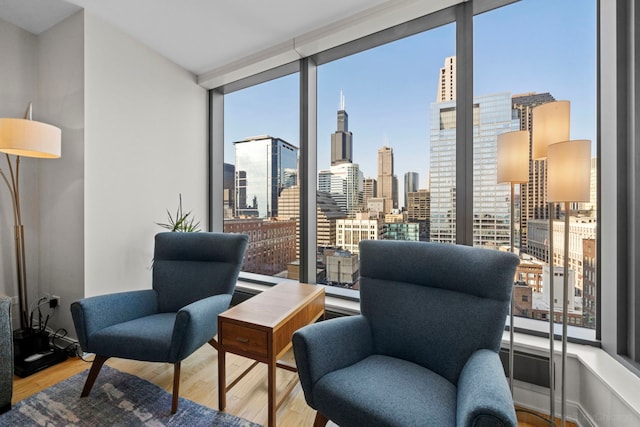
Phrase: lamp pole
[13,184]
[24,138]
[565,299]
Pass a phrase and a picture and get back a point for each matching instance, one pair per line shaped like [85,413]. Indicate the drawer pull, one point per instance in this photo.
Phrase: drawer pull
[242,340]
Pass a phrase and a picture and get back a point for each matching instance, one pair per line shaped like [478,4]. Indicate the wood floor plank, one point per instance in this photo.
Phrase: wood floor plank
[199,383]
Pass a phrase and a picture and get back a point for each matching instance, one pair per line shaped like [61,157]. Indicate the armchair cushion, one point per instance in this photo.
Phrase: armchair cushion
[147,338]
[386,391]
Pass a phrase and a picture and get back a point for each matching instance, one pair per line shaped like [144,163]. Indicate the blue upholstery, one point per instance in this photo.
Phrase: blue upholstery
[194,276]
[424,350]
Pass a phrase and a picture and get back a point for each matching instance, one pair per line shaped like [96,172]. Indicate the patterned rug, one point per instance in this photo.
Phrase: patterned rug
[117,399]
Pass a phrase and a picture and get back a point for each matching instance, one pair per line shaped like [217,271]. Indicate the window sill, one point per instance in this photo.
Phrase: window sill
[600,390]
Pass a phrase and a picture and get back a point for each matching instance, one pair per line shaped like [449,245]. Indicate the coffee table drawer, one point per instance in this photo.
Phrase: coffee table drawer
[242,338]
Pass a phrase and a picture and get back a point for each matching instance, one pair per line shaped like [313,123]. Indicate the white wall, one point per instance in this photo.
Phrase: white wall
[145,142]
[61,181]
[18,87]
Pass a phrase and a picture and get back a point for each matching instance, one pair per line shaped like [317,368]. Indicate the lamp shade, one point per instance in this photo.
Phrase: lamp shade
[28,138]
[569,171]
[550,125]
[513,157]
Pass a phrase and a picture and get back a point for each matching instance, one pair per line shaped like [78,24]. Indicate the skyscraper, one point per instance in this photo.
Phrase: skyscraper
[385,178]
[344,182]
[411,180]
[447,81]
[533,195]
[369,190]
[327,214]
[419,210]
[264,167]
[228,186]
[341,146]
[492,115]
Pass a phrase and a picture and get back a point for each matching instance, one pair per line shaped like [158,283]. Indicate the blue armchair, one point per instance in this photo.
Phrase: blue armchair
[194,276]
[424,350]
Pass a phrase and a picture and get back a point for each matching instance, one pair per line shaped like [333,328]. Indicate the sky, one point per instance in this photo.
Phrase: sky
[530,46]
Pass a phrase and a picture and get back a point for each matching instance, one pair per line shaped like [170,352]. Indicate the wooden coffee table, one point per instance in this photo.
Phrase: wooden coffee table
[261,327]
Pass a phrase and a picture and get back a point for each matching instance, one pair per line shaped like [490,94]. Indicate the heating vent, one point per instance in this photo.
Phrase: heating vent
[527,367]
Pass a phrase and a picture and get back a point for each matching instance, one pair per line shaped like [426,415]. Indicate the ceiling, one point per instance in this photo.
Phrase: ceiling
[199,35]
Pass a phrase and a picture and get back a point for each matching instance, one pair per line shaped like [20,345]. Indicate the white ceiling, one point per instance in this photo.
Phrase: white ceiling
[199,35]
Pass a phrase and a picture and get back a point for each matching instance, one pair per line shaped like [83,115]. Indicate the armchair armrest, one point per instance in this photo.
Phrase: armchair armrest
[484,398]
[196,324]
[95,313]
[326,346]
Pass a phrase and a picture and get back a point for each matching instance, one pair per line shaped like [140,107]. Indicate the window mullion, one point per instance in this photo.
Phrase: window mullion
[464,124]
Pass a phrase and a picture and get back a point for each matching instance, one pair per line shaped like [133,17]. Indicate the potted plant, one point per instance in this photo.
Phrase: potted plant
[181,222]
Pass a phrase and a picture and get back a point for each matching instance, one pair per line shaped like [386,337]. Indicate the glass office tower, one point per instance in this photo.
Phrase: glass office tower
[492,115]
[264,167]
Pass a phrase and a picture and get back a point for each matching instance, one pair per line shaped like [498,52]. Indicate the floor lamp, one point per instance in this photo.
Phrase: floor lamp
[550,124]
[513,168]
[569,172]
[24,138]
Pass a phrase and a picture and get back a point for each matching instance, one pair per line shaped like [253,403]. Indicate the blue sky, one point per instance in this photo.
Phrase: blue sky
[530,46]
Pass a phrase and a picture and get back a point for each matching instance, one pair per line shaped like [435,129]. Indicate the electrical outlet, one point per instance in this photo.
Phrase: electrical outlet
[54,301]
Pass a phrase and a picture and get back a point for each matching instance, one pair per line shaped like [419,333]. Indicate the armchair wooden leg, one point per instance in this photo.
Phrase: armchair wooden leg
[176,387]
[98,361]
[320,420]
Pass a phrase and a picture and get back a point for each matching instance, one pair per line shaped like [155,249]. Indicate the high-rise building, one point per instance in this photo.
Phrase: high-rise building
[447,81]
[419,211]
[411,180]
[369,189]
[580,229]
[402,231]
[533,194]
[264,167]
[228,188]
[492,115]
[589,279]
[344,182]
[386,177]
[327,214]
[341,139]
[590,207]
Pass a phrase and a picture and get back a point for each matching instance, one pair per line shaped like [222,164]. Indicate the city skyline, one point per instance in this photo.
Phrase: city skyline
[387,91]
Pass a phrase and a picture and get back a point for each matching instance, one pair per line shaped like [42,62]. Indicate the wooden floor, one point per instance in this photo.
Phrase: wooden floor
[248,399]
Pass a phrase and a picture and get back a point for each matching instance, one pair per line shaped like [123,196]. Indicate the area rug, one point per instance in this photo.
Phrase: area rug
[117,399]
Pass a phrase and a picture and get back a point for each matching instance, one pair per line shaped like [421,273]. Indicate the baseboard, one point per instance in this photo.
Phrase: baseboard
[536,398]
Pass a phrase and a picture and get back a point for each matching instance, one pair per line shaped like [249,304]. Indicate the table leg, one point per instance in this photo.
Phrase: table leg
[222,382]
[272,392]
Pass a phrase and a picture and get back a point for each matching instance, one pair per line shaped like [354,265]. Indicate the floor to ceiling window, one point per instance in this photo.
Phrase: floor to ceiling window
[261,173]
[519,65]
[392,125]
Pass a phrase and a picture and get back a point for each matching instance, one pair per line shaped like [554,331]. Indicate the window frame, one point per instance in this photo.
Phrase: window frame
[461,14]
